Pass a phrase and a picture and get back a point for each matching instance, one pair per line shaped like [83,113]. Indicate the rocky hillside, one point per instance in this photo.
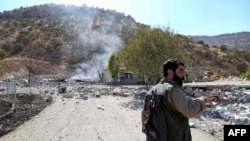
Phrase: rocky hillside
[53,32]
[240,40]
[68,40]
[62,35]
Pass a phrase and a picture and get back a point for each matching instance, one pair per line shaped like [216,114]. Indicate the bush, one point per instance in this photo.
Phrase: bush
[7,47]
[246,56]
[207,55]
[3,54]
[55,42]
[223,48]
[18,48]
[206,45]
[246,75]
[242,67]
[200,42]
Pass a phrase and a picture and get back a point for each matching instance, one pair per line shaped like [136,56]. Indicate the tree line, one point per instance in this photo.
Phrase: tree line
[146,53]
[152,46]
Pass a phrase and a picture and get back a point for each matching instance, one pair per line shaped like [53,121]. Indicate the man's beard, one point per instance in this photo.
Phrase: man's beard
[178,79]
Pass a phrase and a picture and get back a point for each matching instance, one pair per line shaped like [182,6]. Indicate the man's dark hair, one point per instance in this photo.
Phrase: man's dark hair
[171,64]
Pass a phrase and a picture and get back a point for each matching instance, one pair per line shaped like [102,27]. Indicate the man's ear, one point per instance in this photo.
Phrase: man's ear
[170,72]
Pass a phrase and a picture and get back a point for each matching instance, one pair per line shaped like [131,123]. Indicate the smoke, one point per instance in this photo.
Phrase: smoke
[98,62]
[94,32]
[106,44]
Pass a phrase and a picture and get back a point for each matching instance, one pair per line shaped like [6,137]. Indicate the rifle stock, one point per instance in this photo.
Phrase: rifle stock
[147,116]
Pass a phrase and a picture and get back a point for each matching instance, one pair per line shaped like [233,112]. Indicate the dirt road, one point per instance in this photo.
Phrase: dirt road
[107,118]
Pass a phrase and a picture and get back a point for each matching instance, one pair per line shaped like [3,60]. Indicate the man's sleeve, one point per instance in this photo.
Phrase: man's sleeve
[185,105]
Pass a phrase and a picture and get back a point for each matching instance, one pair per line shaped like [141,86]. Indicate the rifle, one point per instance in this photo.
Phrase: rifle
[147,116]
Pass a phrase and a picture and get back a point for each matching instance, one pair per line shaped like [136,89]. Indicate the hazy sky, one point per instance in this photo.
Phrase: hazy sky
[188,17]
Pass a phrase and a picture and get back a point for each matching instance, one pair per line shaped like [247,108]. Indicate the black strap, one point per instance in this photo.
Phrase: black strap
[154,91]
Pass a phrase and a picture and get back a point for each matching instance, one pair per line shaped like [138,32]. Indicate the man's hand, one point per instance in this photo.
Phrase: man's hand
[207,101]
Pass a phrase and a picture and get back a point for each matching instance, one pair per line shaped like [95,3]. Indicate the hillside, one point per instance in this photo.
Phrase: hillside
[240,40]
[20,68]
[67,40]
[221,62]
[67,35]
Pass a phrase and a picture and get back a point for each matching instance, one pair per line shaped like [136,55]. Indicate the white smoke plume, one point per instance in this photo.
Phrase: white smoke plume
[99,62]
[95,30]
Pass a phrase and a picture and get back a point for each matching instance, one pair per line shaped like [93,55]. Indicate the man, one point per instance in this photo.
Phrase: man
[166,118]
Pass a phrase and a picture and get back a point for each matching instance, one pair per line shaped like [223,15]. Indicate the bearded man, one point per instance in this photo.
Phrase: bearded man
[169,120]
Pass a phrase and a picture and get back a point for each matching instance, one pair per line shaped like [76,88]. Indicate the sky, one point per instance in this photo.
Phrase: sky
[187,17]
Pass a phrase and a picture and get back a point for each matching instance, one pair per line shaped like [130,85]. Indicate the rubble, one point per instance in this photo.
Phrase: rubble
[232,102]
[100,107]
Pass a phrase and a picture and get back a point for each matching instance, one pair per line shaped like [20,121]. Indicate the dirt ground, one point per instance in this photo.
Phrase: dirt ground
[27,106]
[107,118]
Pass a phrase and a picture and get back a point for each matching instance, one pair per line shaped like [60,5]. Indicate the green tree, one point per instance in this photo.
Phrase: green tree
[151,47]
[114,66]
[246,75]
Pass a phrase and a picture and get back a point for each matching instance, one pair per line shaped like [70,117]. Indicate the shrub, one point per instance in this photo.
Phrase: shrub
[3,54]
[246,75]
[241,67]
[200,42]
[223,48]
[7,47]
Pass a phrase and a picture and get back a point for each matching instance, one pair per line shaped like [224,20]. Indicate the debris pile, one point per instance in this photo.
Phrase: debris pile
[231,103]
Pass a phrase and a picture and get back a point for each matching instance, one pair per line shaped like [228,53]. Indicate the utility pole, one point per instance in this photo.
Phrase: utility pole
[30,60]
[7,87]
[15,96]
[29,69]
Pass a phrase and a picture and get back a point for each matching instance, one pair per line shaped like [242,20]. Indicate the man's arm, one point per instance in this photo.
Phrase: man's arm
[187,106]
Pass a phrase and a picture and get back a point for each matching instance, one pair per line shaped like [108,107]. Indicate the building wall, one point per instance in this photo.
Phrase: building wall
[124,78]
